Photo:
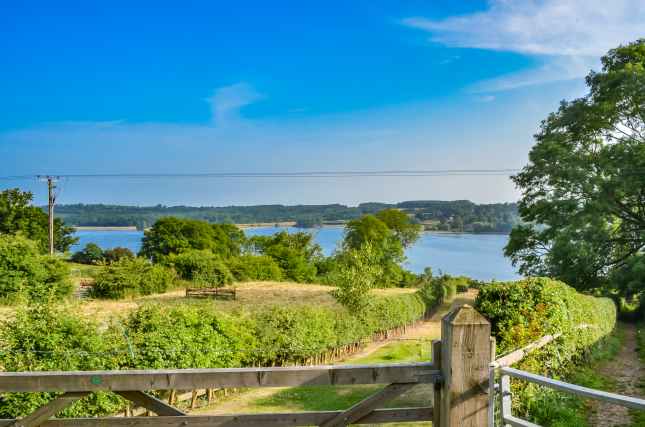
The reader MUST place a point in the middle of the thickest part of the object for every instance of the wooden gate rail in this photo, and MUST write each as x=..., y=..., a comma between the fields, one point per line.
x=459, y=373
x=395, y=415
x=187, y=379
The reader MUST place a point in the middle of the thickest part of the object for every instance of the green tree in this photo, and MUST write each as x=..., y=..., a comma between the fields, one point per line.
x=26, y=273
x=18, y=215
x=582, y=191
x=296, y=253
x=90, y=254
x=356, y=273
x=399, y=222
x=388, y=248
x=172, y=235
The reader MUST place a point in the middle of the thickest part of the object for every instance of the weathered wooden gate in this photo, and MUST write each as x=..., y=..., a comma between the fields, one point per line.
x=462, y=370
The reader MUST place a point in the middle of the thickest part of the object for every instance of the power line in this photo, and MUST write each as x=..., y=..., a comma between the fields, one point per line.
x=301, y=174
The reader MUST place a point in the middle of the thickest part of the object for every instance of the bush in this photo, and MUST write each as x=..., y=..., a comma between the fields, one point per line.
x=43, y=338
x=204, y=268
x=186, y=336
x=117, y=254
x=130, y=278
x=25, y=273
x=90, y=254
x=170, y=235
x=255, y=267
x=295, y=253
x=524, y=311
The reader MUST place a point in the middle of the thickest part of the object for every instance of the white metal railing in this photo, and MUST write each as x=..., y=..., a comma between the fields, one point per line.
x=504, y=388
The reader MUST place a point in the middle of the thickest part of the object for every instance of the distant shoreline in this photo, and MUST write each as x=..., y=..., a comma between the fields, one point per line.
x=279, y=225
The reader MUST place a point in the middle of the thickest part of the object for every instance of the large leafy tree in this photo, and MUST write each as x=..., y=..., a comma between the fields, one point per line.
x=583, y=191
x=18, y=215
x=171, y=235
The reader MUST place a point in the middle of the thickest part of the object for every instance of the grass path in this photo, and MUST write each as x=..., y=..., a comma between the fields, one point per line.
x=627, y=373
x=413, y=346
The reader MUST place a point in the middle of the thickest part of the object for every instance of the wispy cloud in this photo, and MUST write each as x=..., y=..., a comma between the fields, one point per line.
x=227, y=101
x=568, y=35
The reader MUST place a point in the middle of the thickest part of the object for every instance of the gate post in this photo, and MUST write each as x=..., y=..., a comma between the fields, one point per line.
x=466, y=355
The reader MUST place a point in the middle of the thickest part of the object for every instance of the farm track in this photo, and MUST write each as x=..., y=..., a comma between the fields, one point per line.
x=627, y=371
x=425, y=330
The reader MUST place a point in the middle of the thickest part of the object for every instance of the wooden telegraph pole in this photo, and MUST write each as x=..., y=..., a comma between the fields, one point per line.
x=51, y=186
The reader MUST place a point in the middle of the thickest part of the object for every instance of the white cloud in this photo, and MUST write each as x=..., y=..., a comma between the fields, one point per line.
x=568, y=35
x=227, y=101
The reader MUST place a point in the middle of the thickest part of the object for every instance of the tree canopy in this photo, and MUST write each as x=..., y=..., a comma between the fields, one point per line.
x=18, y=215
x=172, y=235
x=583, y=191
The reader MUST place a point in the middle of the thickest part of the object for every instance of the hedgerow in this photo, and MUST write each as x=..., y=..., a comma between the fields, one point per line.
x=522, y=312
x=195, y=336
x=44, y=338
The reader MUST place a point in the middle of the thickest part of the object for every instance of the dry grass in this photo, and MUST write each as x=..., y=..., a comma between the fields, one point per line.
x=250, y=296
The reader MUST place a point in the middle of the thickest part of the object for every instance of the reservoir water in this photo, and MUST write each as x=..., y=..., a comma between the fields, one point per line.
x=479, y=256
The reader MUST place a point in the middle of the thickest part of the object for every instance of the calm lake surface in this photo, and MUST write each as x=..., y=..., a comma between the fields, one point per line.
x=475, y=255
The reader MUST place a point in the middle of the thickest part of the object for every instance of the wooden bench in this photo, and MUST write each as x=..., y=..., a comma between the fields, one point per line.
x=218, y=293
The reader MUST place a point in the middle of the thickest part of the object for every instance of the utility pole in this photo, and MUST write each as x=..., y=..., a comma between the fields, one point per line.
x=51, y=186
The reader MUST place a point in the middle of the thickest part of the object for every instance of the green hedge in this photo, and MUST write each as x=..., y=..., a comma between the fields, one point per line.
x=183, y=336
x=255, y=267
x=130, y=277
x=203, y=267
x=523, y=311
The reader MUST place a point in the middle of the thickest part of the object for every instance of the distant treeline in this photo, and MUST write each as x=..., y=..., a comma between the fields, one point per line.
x=459, y=215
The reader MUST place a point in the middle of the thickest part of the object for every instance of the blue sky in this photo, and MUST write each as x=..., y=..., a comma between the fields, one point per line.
x=98, y=87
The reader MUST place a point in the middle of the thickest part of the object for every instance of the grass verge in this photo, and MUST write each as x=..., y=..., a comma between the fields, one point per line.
x=556, y=409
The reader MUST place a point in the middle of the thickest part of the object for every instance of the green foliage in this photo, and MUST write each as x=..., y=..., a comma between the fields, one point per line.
x=388, y=249
x=132, y=277
x=156, y=336
x=399, y=222
x=356, y=273
x=117, y=254
x=17, y=215
x=524, y=311
x=255, y=267
x=26, y=274
x=295, y=253
x=583, y=184
x=44, y=338
x=172, y=235
x=203, y=267
x=436, y=290
x=90, y=254
x=184, y=337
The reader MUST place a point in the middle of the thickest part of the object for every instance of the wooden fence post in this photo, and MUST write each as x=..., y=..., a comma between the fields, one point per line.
x=465, y=357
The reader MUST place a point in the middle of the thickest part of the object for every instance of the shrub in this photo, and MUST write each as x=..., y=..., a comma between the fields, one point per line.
x=356, y=274
x=202, y=267
x=90, y=254
x=132, y=277
x=523, y=311
x=432, y=294
x=170, y=235
x=117, y=254
x=295, y=253
x=25, y=273
x=255, y=267
x=43, y=338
